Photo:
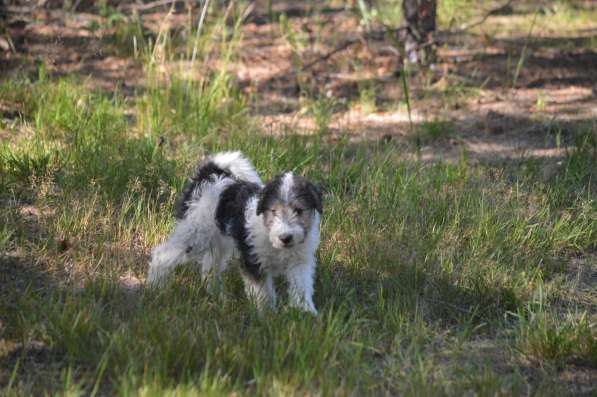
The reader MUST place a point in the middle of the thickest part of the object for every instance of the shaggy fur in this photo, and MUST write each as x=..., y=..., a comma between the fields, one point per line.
x=225, y=210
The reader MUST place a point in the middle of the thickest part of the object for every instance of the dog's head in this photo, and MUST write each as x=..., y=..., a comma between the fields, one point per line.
x=289, y=204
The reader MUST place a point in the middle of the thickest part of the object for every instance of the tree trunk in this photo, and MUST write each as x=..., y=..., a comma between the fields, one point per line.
x=419, y=17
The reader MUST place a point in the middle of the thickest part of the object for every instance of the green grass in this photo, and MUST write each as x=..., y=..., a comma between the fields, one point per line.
x=322, y=110
x=433, y=278
x=545, y=337
x=434, y=131
x=416, y=260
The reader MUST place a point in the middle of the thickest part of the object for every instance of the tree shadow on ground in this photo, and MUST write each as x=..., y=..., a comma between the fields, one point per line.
x=17, y=277
x=546, y=62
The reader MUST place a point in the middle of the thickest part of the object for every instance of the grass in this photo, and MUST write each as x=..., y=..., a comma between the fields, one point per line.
x=441, y=253
x=545, y=337
x=433, y=278
x=434, y=131
x=322, y=111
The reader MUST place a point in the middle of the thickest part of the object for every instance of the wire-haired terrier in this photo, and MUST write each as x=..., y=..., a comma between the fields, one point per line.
x=225, y=209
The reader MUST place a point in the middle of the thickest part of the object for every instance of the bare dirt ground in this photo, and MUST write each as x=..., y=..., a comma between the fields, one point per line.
x=492, y=114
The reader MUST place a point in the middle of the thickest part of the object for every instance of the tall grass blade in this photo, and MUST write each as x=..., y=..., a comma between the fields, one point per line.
x=523, y=53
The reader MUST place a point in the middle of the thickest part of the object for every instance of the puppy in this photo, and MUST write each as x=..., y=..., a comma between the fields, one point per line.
x=225, y=210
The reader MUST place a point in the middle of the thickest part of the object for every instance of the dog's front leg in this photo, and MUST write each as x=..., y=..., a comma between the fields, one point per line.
x=260, y=291
x=300, y=284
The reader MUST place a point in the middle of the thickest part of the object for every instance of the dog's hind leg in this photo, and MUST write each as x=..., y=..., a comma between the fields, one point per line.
x=192, y=239
x=182, y=246
x=210, y=274
x=164, y=259
x=213, y=264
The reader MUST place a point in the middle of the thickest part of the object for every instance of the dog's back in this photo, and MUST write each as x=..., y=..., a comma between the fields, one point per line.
x=222, y=165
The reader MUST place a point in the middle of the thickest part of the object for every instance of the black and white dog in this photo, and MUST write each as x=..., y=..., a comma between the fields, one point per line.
x=225, y=209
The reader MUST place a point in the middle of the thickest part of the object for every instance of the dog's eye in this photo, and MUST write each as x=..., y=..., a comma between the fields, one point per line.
x=274, y=212
x=298, y=211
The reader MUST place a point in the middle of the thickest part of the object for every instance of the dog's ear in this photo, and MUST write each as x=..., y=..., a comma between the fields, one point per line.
x=314, y=196
x=267, y=195
x=317, y=196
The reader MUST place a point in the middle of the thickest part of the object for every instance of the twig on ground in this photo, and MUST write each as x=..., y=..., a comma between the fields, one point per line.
x=339, y=48
x=395, y=30
x=467, y=26
x=331, y=53
x=346, y=44
x=149, y=6
x=343, y=46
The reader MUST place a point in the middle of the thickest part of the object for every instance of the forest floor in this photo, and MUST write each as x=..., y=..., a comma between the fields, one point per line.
x=505, y=89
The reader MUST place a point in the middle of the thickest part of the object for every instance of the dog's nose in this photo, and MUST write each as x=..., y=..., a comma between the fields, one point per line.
x=286, y=238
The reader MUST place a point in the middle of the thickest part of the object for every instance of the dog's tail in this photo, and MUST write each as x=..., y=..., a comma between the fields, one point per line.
x=225, y=164
x=237, y=165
